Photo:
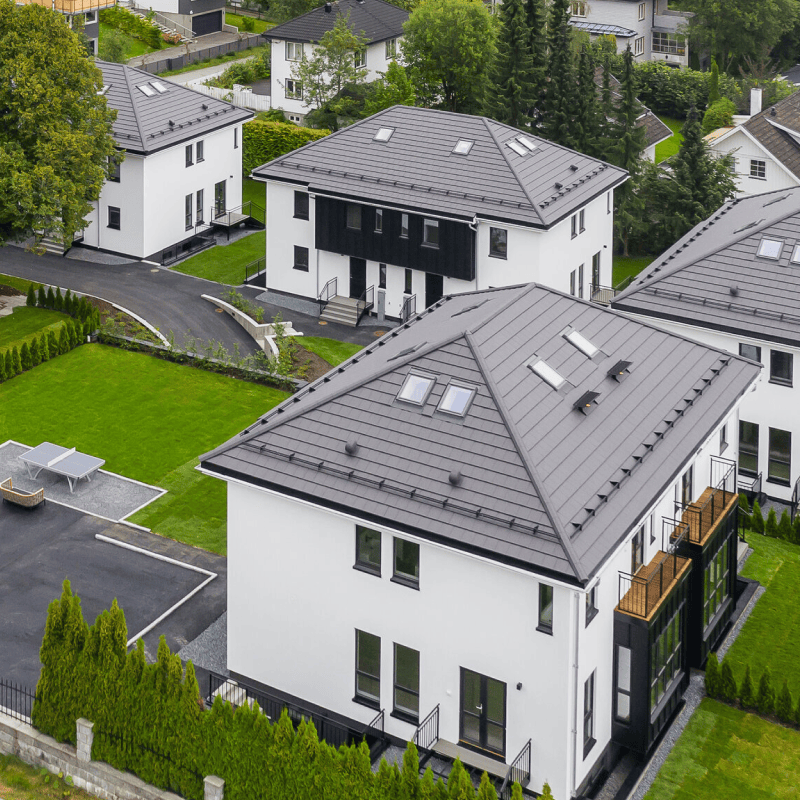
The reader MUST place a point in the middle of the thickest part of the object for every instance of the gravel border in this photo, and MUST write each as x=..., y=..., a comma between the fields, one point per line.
x=210, y=649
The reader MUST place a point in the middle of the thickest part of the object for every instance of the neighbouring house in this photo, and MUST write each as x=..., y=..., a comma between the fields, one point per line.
x=80, y=15
x=411, y=204
x=182, y=173
x=650, y=28
x=508, y=527
x=765, y=146
x=734, y=282
x=188, y=18
x=381, y=23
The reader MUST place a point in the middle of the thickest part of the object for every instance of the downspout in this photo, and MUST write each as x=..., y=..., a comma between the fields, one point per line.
x=576, y=622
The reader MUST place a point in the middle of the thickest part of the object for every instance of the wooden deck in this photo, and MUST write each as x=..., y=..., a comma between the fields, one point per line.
x=705, y=514
x=645, y=596
x=69, y=6
x=470, y=758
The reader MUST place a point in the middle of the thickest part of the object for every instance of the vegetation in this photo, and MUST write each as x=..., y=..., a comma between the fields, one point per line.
x=330, y=350
x=133, y=25
x=115, y=46
x=262, y=52
x=225, y=263
x=669, y=147
x=243, y=72
x=264, y=141
x=718, y=115
x=628, y=267
x=19, y=781
x=27, y=323
x=248, y=23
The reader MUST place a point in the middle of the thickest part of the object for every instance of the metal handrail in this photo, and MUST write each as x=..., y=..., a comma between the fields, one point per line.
x=246, y=209
x=327, y=292
x=165, y=21
x=376, y=725
x=795, y=497
x=365, y=302
x=427, y=734
x=707, y=514
x=751, y=485
x=255, y=267
x=409, y=307
x=601, y=294
x=519, y=772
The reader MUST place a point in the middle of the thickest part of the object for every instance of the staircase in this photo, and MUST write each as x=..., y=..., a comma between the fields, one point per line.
x=164, y=24
x=343, y=310
x=53, y=243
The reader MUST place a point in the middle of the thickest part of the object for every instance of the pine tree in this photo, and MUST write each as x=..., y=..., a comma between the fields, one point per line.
x=536, y=18
x=547, y=793
x=757, y=518
x=15, y=360
x=63, y=341
x=728, y=690
x=9, y=365
x=2, y=367
x=784, y=707
x=52, y=344
x=771, y=527
x=712, y=678
x=36, y=352
x=51, y=298
x=785, y=531
x=747, y=695
x=30, y=301
x=559, y=122
x=713, y=82
x=68, y=302
x=516, y=791
x=427, y=786
x=59, y=300
x=765, y=699
x=486, y=790
x=588, y=108
x=41, y=299
x=25, y=357
x=514, y=93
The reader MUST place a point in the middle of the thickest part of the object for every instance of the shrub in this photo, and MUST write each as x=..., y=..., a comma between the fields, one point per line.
x=36, y=352
x=719, y=115
x=44, y=350
x=747, y=695
x=58, y=304
x=757, y=518
x=771, y=528
x=31, y=299
x=743, y=504
x=51, y=298
x=265, y=141
x=25, y=357
x=765, y=699
x=728, y=690
x=248, y=24
x=52, y=344
x=171, y=38
x=9, y=365
x=41, y=300
x=785, y=530
x=784, y=708
x=68, y=298
x=547, y=792
x=712, y=676
x=2, y=367
x=16, y=363
x=63, y=341
x=132, y=24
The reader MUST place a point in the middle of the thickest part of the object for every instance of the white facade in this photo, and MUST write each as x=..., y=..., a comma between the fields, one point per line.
x=285, y=95
x=552, y=257
x=294, y=629
x=150, y=197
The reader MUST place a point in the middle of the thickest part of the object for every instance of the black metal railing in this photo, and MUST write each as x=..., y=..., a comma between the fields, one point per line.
x=519, y=772
x=750, y=485
x=237, y=214
x=365, y=302
x=601, y=294
x=795, y=498
x=703, y=516
x=201, y=240
x=409, y=308
x=723, y=473
x=253, y=271
x=427, y=734
x=16, y=701
x=329, y=291
x=623, y=284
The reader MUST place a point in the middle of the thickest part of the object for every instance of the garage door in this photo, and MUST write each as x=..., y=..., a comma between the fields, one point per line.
x=207, y=23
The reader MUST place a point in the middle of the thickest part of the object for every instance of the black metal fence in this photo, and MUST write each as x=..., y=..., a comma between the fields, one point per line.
x=255, y=273
x=519, y=772
x=16, y=701
x=427, y=734
x=246, y=41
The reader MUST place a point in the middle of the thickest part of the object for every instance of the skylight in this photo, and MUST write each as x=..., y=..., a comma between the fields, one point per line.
x=582, y=343
x=456, y=399
x=383, y=134
x=517, y=147
x=770, y=248
x=796, y=254
x=547, y=373
x=526, y=142
x=416, y=388
x=463, y=146
x=158, y=86
x=145, y=88
x=104, y=89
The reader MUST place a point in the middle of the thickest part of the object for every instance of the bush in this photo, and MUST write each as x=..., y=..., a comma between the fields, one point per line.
x=719, y=115
x=712, y=678
x=58, y=304
x=113, y=47
x=771, y=528
x=9, y=365
x=765, y=700
x=246, y=71
x=728, y=690
x=784, y=708
x=63, y=341
x=31, y=299
x=3, y=367
x=36, y=352
x=757, y=519
x=41, y=299
x=132, y=24
x=248, y=24
x=171, y=38
x=747, y=695
x=51, y=298
x=785, y=530
x=15, y=361
x=25, y=357
x=265, y=141
x=52, y=344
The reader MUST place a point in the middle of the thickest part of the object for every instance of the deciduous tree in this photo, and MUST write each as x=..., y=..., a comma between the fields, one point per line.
x=393, y=88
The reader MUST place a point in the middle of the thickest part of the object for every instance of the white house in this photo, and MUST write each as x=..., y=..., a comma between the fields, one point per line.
x=733, y=282
x=765, y=146
x=381, y=23
x=411, y=204
x=650, y=28
x=182, y=170
x=507, y=526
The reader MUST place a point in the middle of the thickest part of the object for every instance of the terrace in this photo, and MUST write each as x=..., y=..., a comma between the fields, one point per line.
x=70, y=6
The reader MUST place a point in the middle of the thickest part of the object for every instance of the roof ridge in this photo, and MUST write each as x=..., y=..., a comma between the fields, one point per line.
x=516, y=439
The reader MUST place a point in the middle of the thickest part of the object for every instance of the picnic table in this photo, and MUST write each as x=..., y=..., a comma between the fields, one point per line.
x=62, y=461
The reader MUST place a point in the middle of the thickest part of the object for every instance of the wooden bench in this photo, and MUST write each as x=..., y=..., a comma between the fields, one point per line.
x=24, y=499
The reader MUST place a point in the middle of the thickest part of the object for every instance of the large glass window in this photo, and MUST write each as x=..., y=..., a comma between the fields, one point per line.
x=406, y=562
x=588, y=714
x=623, y=711
x=406, y=681
x=779, y=466
x=188, y=211
x=637, y=550
x=748, y=448
x=368, y=668
x=750, y=351
x=200, y=149
x=665, y=658
x=301, y=205
x=780, y=367
x=368, y=549
x=407, y=282
x=301, y=258
x=430, y=232
x=199, y=209
x=665, y=42
x=545, y=608
x=715, y=583
x=354, y=216
x=189, y=158
x=687, y=482
x=498, y=242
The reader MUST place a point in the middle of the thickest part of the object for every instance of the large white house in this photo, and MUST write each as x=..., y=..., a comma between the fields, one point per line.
x=381, y=23
x=411, y=204
x=182, y=167
x=733, y=282
x=508, y=527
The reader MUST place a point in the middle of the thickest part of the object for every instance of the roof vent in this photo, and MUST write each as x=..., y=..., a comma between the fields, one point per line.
x=328, y=8
x=573, y=167
x=558, y=185
x=773, y=112
x=734, y=290
x=171, y=124
x=620, y=371
x=587, y=402
x=204, y=107
x=456, y=477
x=351, y=448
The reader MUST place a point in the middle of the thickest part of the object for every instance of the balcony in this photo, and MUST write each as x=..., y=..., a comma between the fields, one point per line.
x=704, y=516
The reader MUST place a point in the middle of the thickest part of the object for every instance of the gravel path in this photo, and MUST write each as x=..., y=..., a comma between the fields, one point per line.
x=210, y=649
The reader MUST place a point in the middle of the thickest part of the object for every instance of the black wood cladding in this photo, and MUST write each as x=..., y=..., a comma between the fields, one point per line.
x=453, y=258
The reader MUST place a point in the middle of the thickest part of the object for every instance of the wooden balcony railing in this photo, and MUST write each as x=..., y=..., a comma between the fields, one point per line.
x=70, y=6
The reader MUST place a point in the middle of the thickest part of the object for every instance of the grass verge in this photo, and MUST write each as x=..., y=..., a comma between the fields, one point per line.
x=330, y=350
x=149, y=419
x=257, y=193
x=727, y=753
x=626, y=267
x=133, y=47
x=259, y=25
x=226, y=263
x=670, y=146
x=20, y=284
x=26, y=323
x=213, y=62
x=20, y=781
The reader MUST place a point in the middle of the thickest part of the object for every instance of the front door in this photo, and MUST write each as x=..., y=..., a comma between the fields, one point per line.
x=434, y=288
x=358, y=277
x=483, y=712
x=219, y=199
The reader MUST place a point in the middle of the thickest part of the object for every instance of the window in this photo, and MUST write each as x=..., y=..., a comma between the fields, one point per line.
x=608, y=202
x=368, y=550
x=779, y=466
x=360, y=59
x=189, y=158
x=498, y=242
x=114, y=166
x=463, y=146
x=199, y=207
x=293, y=90
x=147, y=90
x=642, y=9
x=770, y=248
x=715, y=583
x=430, y=232
x=159, y=87
x=301, y=205
x=381, y=276
x=623, y=710
x=390, y=49
x=582, y=343
x=796, y=254
x=354, y=216
x=378, y=220
x=188, y=212
x=780, y=367
x=113, y=218
x=638, y=46
x=407, y=284
x=748, y=448
x=588, y=715
x=199, y=151
x=294, y=51
x=723, y=439
x=652, y=523
x=406, y=562
x=581, y=220
x=416, y=388
x=758, y=169
x=577, y=8
x=665, y=658
x=456, y=399
x=637, y=550
x=545, y=608
x=301, y=258
x=591, y=604
x=547, y=373
x=574, y=225
x=383, y=135
x=687, y=483
x=573, y=282
x=91, y=16
x=404, y=226
x=236, y=136
x=596, y=271
x=750, y=351
x=368, y=668
x=580, y=279
x=406, y=682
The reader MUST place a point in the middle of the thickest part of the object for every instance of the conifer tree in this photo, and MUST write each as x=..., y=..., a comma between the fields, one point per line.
x=63, y=341
x=757, y=518
x=784, y=707
x=68, y=302
x=9, y=365
x=440, y=792
x=547, y=793
x=25, y=357
x=559, y=122
x=747, y=695
x=713, y=82
x=36, y=358
x=516, y=791
x=771, y=527
x=41, y=299
x=59, y=300
x=51, y=298
x=2, y=367
x=785, y=531
x=588, y=108
x=15, y=360
x=765, y=699
x=514, y=95
x=536, y=17
x=486, y=790
x=52, y=344
x=30, y=301
x=427, y=786
x=728, y=690
x=409, y=784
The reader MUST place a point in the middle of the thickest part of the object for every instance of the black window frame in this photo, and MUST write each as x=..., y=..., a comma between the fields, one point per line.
x=751, y=351
x=574, y=226
x=637, y=550
x=188, y=211
x=784, y=460
x=758, y=169
x=723, y=438
x=591, y=605
x=298, y=262
x=665, y=669
x=362, y=564
x=189, y=150
x=301, y=205
x=589, y=695
x=408, y=715
x=573, y=283
x=404, y=221
x=352, y=210
x=112, y=212
x=404, y=578
x=622, y=683
x=235, y=138
x=198, y=212
x=748, y=446
x=716, y=583
x=116, y=166
x=408, y=281
x=545, y=604
x=198, y=151
x=379, y=220
x=381, y=276
x=429, y=224
x=582, y=220
x=580, y=281
x=774, y=376
x=494, y=250
x=366, y=698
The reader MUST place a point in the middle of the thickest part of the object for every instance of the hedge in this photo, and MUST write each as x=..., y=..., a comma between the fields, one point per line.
x=264, y=141
x=132, y=24
x=150, y=719
x=773, y=527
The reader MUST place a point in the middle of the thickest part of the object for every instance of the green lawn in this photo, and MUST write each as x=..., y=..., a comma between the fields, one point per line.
x=670, y=146
x=149, y=419
x=257, y=192
x=26, y=323
x=330, y=350
x=727, y=753
x=226, y=263
x=213, y=62
x=20, y=284
x=134, y=47
x=259, y=25
x=628, y=267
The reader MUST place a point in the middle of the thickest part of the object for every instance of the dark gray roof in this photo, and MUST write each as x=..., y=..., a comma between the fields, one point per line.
x=602, y=29
x=143, y=123
x=544, y=486
x=374, y=19
x=417, y=168
x=777, y=130
x=713, y=277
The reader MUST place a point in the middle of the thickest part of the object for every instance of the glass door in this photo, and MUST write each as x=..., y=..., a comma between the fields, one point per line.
x=483, y=712
x=220, y=206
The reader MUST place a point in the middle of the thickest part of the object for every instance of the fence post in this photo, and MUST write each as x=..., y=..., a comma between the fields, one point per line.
x=85, y=737
x=213, y=788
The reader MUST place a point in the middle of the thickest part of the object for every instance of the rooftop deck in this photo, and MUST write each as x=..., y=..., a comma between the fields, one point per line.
x=704, y=515
x=652, y=583
x=70, y=6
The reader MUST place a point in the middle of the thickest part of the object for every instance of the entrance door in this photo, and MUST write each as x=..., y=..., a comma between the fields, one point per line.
x=207, y=23
x=483, y=712
x=220, y=206
x=358, y=277
x=434, y=288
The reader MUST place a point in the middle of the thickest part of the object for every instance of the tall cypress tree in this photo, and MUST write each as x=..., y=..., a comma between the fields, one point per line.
x=514, y=97
x=560, y=124
x=536, y=17
x=588, y=108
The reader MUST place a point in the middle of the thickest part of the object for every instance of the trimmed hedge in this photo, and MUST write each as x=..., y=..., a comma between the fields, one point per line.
x=150, y=719
x=264, y=141
x=132, y=24
x=773, y=527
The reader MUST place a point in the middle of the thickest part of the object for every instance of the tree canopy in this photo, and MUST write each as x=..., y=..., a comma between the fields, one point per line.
x=55, y=129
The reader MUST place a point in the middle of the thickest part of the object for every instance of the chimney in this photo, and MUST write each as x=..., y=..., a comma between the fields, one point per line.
x=328, y=8
x=755, y=100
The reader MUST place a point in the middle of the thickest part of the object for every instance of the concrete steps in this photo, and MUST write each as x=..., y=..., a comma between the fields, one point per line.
x=53, y=243
x=131, y=6
x=343, y=310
